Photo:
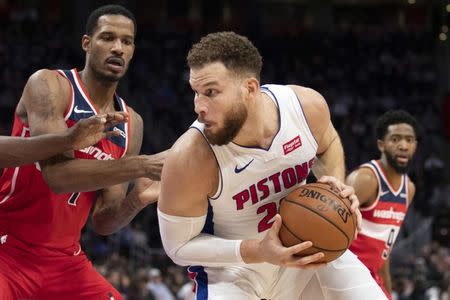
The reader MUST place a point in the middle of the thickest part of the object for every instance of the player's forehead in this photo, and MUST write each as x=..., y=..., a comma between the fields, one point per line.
x=211, y=74
x=117, y=24
x=401, y=129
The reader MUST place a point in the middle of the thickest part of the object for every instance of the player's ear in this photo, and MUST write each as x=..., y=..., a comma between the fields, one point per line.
x=86, y=42
x=380, y=144
x=252, y=86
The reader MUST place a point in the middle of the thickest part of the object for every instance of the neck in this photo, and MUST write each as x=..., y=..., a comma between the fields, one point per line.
x=393, y=176
x=262, y=123
x=100, y=92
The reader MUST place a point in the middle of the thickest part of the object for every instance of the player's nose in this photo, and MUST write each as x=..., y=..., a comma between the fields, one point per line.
x=403, y=145
x=117, y=47
x=199, y=106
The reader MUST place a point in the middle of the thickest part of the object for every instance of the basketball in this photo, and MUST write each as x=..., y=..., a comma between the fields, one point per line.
x=316, y=213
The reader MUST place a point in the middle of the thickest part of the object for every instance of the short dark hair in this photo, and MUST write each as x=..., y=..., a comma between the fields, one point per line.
x=235, y=51
x=392, y=117
x=111, y=9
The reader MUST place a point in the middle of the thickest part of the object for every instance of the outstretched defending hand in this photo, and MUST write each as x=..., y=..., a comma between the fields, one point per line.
x=345, y=191
x=89, y=131
x=147, y=191
x=154, y=164
x=272, y=251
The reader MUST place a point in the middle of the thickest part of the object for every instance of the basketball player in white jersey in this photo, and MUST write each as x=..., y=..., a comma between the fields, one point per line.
x=224, y=178
x=385, y=192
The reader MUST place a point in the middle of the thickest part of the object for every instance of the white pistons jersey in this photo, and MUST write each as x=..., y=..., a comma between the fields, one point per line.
x=254, y=180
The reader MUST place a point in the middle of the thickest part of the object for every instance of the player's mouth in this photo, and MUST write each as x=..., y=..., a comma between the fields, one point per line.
x=205, y=123
x=116, y=64
x=402, y=159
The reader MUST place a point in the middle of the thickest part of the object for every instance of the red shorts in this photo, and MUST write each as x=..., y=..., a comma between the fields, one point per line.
x=26, y=273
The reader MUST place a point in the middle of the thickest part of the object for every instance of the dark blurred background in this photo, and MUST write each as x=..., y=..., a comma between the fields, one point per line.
x=364, y=56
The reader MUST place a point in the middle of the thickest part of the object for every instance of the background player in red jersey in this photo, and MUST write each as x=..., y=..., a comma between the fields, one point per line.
x=44, y=206
x=16, y=151
x=385, y=192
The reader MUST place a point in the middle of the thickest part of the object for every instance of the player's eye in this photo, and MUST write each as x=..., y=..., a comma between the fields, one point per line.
x=210, y=93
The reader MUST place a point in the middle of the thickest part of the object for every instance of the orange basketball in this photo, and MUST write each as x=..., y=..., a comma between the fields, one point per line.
x=316, y=213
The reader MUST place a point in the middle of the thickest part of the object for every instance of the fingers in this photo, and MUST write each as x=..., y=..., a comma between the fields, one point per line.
x=94, y=120
x=108, y=134
x=345, y=191
x=358, y=222
x=296, y=249
x=275, y=229
x=355, y=203
x=336, y=185
x=118, y=117
x=306, y=261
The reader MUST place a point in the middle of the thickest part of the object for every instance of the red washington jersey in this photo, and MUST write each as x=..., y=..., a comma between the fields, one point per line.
x=29, y=210
x=381, y=221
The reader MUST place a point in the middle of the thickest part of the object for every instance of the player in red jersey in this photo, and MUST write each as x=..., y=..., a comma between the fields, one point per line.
x=44, y=206
x=16, y=151
x=385, y=192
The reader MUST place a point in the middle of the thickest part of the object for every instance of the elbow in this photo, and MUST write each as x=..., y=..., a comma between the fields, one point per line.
x=56, y=181
x=54, y=184
x=101, y=227
x=177, y=260
x=173, y=254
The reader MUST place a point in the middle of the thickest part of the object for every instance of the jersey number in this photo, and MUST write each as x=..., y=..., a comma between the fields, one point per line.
x=271, y=211
x=73, y=199
x=389, y=243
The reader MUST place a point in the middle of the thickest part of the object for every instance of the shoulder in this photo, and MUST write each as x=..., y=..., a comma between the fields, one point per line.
x=363, y=175
x=411, y=190
x=45, y=91
x=365, y=183
x=48, y=78
x=315, y=109
x=189, y=176
x=136, y=125
x=46, y=86
x=192, y=158
x=136, y=118
x=312, y=101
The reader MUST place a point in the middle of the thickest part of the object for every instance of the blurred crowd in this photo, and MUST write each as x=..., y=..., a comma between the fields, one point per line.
x=361, y=70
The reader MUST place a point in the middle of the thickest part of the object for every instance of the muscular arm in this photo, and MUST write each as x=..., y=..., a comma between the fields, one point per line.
x=17, y=151
x=364, y=182
x=189, y=176
x=330, y=154
x=45, y=99
x=114, y=208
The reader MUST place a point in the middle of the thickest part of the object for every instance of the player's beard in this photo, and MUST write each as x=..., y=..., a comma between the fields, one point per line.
x=393, y=163
x=233, y=121
x=105, y=78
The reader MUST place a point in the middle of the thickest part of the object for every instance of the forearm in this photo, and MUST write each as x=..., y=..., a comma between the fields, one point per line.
x=331, y=162
x=17, y=151
x=183, y=241
x=79, y=175
x=111, y=218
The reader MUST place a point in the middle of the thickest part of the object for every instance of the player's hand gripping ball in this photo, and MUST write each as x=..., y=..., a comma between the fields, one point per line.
x=316, y=213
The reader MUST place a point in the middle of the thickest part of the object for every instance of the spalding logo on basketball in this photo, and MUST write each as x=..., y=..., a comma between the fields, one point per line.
x=316, y=213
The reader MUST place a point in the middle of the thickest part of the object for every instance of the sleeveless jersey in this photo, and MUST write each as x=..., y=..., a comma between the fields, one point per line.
x=381, y=221
x=254, y=180
x=29, y=210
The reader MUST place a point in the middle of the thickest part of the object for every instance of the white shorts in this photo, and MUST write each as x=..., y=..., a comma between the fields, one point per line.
x=343, y=279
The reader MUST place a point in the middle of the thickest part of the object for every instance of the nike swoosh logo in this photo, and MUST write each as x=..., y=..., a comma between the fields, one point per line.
x=80, y=111
x=384, y=193
x=239, y=170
